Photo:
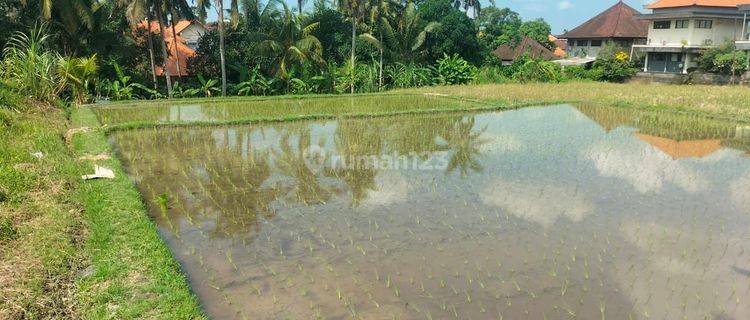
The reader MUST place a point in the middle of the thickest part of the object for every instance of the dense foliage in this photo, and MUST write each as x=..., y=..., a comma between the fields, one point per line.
x=723, y=59
x=103, y=51
x=453, y=36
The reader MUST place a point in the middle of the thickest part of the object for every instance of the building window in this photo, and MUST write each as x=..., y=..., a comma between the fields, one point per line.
x=681, y=24
x=582, y=43
x=596, y=43
x=704, y=24
x=662, y=24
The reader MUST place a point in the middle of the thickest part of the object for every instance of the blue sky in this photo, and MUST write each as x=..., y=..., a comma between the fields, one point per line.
x=561, y=14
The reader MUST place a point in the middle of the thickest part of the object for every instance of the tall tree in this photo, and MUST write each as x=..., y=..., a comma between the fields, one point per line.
x=159, y=8
x=136, y=11
x=406, y=36
x=466, y=4
x=151, y=50
x=300, y=4
x=456, y=33
x=234, y=14
x=290, y=45
x=498, y=27
x=357, y=11
x=178, y=10
x=222, y=52
x=380, y=13
x=538, y=30
x=70, y=13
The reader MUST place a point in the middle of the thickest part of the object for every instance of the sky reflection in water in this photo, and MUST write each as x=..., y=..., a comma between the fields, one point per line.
x=554, y=212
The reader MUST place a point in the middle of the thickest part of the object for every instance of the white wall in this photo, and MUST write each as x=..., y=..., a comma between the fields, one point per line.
x=722, y=30
x=192, y=34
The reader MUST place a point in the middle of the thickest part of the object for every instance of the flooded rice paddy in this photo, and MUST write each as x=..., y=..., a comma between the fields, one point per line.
x=558, y=212
x=274, y=108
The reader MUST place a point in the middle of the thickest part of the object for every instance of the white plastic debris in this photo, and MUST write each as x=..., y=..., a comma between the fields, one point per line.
x=38, y=154
x=100, y=173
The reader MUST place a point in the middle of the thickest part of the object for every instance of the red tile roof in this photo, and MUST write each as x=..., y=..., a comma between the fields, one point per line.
x=660, y=4
x=619, y=21
x=180, y=49
x=527, y=45
x=560, y=45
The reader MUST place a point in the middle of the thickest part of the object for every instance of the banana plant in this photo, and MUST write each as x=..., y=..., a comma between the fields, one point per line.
x=208, y=86
x=256, y=84
x=179, y=92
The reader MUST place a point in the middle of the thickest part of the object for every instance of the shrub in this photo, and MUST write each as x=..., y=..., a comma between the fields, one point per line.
x=401, y=75
x=30, y=67
x=723, y=59
x=577, y=72
x=454, y=70
x=538, y=71
x=730, y=63
x=492, y=74
x=613, y=65
x=613, y=70
x=365, y=78
x=256, y=84
x=76, y=74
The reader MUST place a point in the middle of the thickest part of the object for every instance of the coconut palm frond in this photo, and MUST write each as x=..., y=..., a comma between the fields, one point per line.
x=369, y=38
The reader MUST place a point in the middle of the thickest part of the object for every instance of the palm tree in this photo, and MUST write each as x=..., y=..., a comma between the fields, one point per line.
x=357, y=11
x=409, y=34
x=222, y=53
x=136, y=10
x=380, y=12
x=234, y=14
x=201, y=6
x=184, y=10
x=466, y=4
x=290, y=44
x=159, y=7
x=70, y=13
x=300, y=4
x=151, y=50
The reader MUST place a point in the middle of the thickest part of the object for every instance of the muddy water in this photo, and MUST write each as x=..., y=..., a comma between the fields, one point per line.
x=556, y=212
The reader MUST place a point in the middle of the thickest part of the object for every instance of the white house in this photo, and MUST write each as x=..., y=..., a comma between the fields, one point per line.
x=680, y=29
x=191, y=31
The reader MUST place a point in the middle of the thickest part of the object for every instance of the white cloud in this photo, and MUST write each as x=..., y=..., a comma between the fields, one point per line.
x=740, y=193
x=564, y=5
x=501, y=143
x=543, y=204
x=644, y=167
x=392, y=188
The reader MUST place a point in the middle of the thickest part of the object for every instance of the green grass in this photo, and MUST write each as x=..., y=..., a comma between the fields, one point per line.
x=132, y=268
x=74, y=249
x=40, y=228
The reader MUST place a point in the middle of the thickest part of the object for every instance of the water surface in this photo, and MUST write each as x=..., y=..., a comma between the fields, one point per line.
x=558, y=212
x=275, y=108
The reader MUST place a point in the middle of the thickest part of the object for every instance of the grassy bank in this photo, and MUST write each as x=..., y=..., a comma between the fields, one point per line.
x=40, y=227
x=131, y=269
x=74, y=249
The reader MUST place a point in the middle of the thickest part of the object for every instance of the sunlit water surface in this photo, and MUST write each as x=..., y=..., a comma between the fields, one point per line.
x=540, y=213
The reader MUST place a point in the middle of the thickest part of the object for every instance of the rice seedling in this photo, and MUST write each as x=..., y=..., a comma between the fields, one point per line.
x=299, y=244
